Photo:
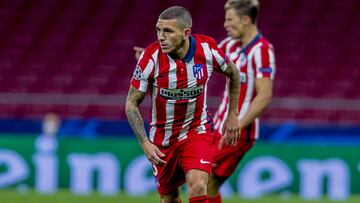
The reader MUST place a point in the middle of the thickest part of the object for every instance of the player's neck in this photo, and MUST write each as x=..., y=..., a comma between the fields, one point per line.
x=249, y=35
x=182, y=51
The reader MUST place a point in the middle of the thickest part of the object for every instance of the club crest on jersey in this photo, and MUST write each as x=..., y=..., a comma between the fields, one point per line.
x=198, y=71
x=243, y=60
x=137, y=73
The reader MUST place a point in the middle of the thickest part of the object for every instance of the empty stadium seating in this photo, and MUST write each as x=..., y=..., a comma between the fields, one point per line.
x=84, y=47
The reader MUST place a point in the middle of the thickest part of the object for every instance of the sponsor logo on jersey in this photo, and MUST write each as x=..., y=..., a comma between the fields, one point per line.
x=180, y=94
x=137, y=73
x=198, y=71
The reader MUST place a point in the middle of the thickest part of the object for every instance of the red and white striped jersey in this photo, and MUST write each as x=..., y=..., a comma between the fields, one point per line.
x=178, y=88
x=255, y=61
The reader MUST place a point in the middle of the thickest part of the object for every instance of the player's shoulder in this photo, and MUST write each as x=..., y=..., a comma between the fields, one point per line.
x=204, y=38
x=225, y=42
x=150, y=50
x=152, y=47
x=229, y=44
x=265, y=43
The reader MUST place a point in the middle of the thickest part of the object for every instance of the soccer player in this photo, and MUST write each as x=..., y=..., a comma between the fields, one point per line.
x=176, y=70
x=253, y=55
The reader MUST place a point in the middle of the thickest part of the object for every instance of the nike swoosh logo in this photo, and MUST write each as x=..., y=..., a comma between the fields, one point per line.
x=204, y=162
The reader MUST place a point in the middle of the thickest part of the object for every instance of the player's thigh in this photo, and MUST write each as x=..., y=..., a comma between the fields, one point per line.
x=169, y=177
x=197, y=153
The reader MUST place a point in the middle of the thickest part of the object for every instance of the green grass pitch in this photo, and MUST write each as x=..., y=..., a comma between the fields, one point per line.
x=12, y=196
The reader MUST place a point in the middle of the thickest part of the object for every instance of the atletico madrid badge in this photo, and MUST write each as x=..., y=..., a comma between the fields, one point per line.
x=198, y=71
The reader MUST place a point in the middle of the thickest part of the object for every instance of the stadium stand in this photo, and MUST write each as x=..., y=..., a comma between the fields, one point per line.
x=75, y=57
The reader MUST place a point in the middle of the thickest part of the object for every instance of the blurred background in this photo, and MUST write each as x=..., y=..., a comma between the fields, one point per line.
x=65, y=67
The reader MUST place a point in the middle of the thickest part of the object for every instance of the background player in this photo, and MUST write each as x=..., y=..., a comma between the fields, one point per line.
x=176, y=70
x=253, y=55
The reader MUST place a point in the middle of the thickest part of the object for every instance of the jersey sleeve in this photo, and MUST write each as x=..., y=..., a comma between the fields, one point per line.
x=264, y=61
x=220, y=60
x=143, y=72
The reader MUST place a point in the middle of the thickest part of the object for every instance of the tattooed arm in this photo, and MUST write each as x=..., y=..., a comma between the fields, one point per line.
x=231, y=130
x=132, y=109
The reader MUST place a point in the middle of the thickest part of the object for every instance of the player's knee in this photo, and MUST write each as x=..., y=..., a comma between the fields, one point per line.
x=197, y=188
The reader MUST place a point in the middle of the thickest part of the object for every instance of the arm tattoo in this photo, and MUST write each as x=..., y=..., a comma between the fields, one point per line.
x=234, y=88
x=133, y=100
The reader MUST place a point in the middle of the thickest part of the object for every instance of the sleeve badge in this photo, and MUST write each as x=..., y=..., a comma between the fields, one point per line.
x=137, y=73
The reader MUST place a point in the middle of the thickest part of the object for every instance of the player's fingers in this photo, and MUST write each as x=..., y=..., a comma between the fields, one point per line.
x=234, y=142
x=155, y=159
x=159, y=153
x=161, y=162
x=230, y=134
x=238, y=133
x=231, y=142
x=140, y=49
x=152, y=160
x=234, y=139
x=228, y=141
x=158, y=160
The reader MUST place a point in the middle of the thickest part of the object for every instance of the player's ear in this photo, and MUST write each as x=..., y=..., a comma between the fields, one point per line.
x=187, y=33
x=247, y=19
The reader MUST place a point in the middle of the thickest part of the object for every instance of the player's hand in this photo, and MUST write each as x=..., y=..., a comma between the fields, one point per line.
x=153, y=153
x=138, y=51
x=231, y=130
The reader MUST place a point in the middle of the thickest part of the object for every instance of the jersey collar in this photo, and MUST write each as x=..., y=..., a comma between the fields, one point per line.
x=190, y=53
x=253, y=41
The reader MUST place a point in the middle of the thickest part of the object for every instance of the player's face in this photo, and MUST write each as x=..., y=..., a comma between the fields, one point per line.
x=234, y=24
x=170, y=36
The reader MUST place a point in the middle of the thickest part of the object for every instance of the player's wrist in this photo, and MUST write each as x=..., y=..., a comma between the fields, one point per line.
x=144, y=141
x=233, y=112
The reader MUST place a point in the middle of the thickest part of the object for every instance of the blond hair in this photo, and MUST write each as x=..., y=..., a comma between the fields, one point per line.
x=244, y=7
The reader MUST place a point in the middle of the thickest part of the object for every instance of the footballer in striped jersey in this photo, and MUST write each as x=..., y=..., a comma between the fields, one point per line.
x=254, y=57
x=176, y=70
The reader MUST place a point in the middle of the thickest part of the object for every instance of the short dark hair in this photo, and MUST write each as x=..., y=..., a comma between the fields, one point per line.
x=179, y=13
x=244, y=7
